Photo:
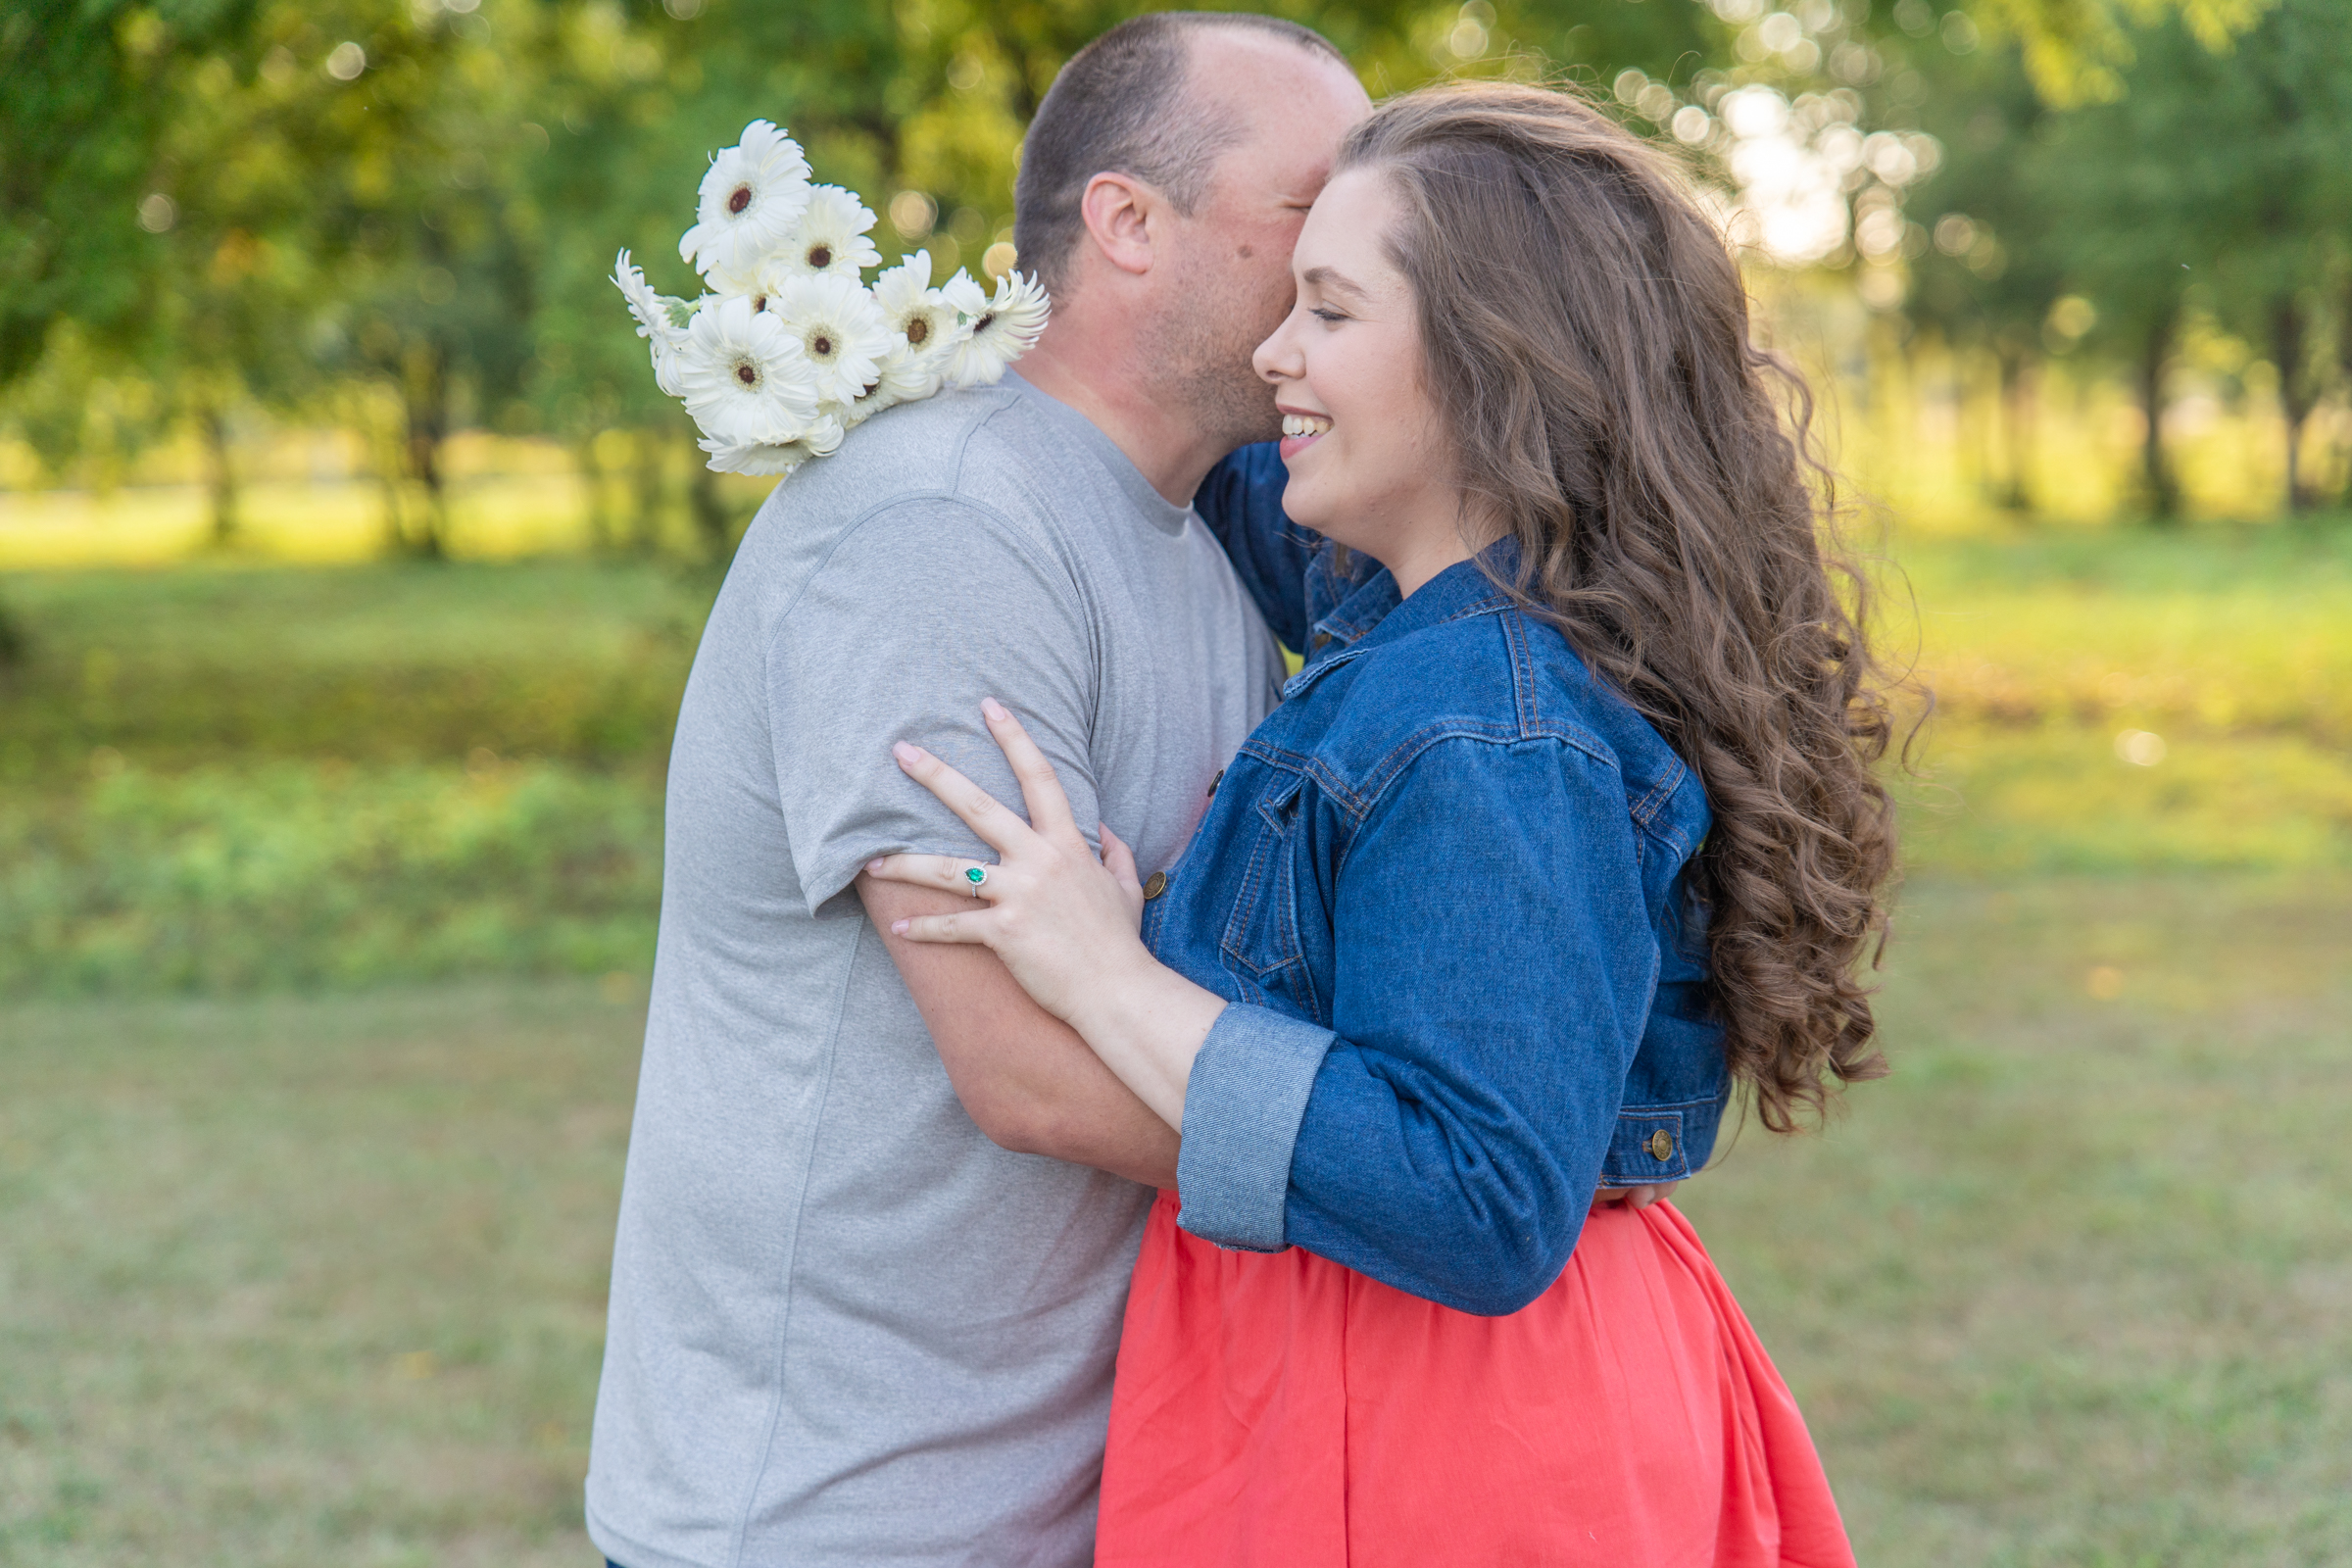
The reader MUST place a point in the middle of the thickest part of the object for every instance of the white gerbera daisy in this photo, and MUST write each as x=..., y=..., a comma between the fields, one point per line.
x=750, y=199
x=1003, y=329
x=744, y=378
x=776, y=457
x=833, y=321
x=654, y=312
x=657, y=320
x=926, y=319
x=830, y=237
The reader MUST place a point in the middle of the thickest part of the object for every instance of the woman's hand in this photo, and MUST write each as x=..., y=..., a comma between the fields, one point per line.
x=1064, y=922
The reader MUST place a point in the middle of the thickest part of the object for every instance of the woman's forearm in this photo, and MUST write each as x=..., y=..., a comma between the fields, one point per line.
x=1148, y=1022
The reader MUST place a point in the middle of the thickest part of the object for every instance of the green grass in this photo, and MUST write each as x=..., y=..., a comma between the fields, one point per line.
x=303, y=1282
x=2075, y=1284
x=320, y=1280
x=2233, y=646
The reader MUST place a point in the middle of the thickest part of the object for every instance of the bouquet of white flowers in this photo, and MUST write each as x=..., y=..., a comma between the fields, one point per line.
x=789, y=349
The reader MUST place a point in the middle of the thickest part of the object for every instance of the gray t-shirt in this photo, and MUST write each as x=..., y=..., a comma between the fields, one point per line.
x=845, y=1327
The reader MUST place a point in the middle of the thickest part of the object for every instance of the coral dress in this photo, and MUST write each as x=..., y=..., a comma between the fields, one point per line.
x=1280, y=1409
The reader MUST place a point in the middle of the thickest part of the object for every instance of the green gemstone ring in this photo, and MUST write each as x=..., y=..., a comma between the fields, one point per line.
x=975, y=876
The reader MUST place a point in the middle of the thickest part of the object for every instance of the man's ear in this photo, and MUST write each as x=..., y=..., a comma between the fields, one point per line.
x=1120, y=211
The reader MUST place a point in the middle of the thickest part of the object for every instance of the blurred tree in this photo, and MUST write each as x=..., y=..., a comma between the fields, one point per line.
x=2218, y=180
x=414, y=164
x=80, y=121
x=2083, y=51
x=919, y=108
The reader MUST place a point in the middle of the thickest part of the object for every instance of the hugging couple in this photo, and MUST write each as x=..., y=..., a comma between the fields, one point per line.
x=1010, y=880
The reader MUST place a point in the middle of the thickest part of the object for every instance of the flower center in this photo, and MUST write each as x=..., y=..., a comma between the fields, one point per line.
x=746, y=373
x=820, y=257
x=740, y=200
x=758, y=303
x=917, y=331
x=981, y=326
x=821, y=345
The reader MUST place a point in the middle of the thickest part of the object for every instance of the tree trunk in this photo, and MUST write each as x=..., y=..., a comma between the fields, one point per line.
x=426, y=394
x=2017, y=392
x=709, y=508
x=2343, y=354
x=220, y=475
x=649, y=474
x=2156, y=474
x=2294, y=395
x=592, y=485
x=13, y=645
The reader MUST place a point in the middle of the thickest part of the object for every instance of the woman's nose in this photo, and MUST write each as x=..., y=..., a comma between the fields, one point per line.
x=1272, y=361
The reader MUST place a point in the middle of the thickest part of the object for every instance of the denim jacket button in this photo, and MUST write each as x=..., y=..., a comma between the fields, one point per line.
x=1154, y=885
x=1660, y=1145
x=1317, y=644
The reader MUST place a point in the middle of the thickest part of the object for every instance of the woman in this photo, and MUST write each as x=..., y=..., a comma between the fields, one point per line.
x=1567, y=818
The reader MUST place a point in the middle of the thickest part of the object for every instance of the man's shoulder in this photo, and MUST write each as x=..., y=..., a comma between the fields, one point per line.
x=986, y=455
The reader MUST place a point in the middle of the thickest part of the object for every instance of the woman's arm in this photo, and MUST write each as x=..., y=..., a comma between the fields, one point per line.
x=1494, y=963
x=1077, y=949
x=1495, y=967
x=1240, y=501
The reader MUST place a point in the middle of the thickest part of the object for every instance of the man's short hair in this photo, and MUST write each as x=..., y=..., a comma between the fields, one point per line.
x=1121, y=107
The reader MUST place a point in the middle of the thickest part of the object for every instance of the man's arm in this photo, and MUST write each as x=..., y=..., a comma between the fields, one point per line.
x=1023, y=1076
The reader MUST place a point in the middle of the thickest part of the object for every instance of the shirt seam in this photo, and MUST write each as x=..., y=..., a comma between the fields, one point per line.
x=792, y=1264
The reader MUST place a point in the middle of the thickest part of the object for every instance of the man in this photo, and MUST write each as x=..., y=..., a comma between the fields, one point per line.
x=846, y=1325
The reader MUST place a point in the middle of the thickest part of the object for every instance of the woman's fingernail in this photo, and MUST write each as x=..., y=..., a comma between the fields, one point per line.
x=904, y=752
x=994, y=708
x=875, y=865
x=898, y=928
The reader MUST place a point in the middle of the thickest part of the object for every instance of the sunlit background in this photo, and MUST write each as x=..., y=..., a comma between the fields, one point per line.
x=350, y=566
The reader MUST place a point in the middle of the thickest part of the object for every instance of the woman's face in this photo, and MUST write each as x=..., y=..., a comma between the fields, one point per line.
x=1369, y=464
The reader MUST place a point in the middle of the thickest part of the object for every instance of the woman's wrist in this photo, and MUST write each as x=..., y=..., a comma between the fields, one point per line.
x=1148, y=1022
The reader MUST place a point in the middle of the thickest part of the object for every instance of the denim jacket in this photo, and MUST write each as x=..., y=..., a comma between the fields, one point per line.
x=1443, y=887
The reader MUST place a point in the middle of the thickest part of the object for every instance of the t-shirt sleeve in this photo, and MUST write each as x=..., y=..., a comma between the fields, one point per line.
x=923, y=609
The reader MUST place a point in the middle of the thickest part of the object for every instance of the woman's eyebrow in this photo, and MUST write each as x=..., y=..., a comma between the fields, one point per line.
x=1324, y=277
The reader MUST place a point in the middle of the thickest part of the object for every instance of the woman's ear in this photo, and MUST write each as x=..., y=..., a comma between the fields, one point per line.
x=1118, y=210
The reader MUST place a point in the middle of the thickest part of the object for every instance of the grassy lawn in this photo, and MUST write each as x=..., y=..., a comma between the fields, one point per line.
x=302, y=1281
x=2075, y=1284
x=327, y=897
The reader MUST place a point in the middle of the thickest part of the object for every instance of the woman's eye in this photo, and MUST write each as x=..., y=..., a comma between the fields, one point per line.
x=1325, y=313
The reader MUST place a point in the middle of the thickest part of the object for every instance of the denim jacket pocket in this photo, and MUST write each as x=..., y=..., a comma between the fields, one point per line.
x=1647, y=1146
x=1260, y=945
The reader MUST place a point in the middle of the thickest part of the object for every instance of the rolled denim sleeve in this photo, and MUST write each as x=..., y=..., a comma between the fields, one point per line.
x=1243, y=1104
x=1493, y=969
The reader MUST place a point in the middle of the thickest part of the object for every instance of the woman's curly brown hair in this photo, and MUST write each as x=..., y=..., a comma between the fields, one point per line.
x=1586, y=337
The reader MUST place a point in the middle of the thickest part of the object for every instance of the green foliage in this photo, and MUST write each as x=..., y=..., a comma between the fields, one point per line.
x=229, y=779
x=293, y=874
x=2216, y=180
x=167, y=671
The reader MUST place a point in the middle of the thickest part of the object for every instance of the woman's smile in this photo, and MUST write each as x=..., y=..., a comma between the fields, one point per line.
x=1301, y=430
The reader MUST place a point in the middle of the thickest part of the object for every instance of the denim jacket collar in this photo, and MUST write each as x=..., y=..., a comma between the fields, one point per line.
x=1375, y=614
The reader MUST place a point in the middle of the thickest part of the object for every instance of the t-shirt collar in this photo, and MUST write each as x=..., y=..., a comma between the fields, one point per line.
x=1156, y=508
